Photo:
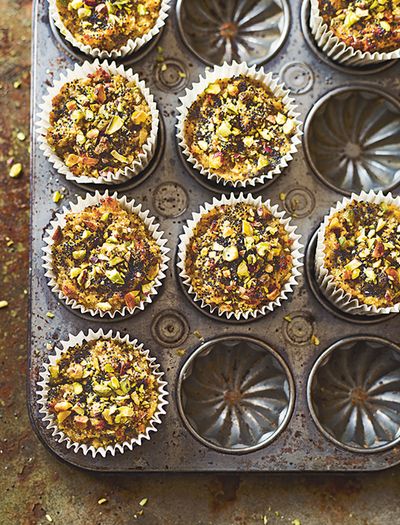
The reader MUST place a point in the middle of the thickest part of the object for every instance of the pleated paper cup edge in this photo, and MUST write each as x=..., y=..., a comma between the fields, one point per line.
x=43, y=124
x=343, y=300
x=49, y=419
x=227, y=71
x=127, y=204
x=296, y=252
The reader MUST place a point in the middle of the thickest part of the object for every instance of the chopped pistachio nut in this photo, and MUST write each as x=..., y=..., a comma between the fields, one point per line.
x=3, y=304
x=238, y=129
x=57, y=196
x=97, y=406
x=143, y=502
x=15, y=170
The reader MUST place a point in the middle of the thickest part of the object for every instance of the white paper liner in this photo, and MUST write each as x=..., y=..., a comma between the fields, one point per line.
x=184, y=240
x=344, y=301
x=228, y=71
x=43, y=124
x=132, y=45
x=81, y=204
x=43, y=388
x=337, y=50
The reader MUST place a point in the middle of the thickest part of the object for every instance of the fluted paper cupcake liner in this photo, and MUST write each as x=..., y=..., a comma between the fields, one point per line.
x=228, y=71
x=50, y=420
x=80, y=205
x=132, y=45
x=43, y=124
x=188, y=229
x=337, y=50
x=344, y=301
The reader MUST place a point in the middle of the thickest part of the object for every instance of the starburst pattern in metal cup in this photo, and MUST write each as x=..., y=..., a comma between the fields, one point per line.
x=235, y=394
x=352, y=138
x=354, y=393
x=219, y=31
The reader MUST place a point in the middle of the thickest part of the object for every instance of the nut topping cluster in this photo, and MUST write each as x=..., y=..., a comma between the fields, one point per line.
x=99, y=124
x=105, y=257
x=238, y=129
x=102, y=392
x=239, y=257
x=108, y=24
x=362, y=252
x=365, y=25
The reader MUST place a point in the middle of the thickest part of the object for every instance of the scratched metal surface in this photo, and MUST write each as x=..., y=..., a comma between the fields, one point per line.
x=169, y=190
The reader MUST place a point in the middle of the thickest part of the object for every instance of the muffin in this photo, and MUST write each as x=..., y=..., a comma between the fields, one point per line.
x=365, y=25
x=99, y=124
x=105, y=258
x=239, y=257
x=102, y=392
x=360, y=245
x=238, y=129
x=115, y=28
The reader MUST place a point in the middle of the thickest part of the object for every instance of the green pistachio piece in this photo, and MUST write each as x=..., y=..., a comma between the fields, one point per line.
x=247, y=228
x=78, y=254
x=74, y=272
x=125, y=411
x=352, y=265
x=78, y=388
x=114, y=276
x=230, y=253
x=243, y=270
x=104, y=307
x=102, y=390
x=262, y=248
x=114, y=125
x=119, y=157
x=54, y=371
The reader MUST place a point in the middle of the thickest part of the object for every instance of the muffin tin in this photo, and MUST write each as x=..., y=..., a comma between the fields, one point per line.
x=304, y=431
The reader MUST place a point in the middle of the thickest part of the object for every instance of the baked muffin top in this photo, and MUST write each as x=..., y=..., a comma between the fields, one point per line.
x=102, y=392
x=99, y=124
x=238, y=129
x=105, y=257
x=108, y=24
x=239, y=257
x=362, y=252
x=365, y=25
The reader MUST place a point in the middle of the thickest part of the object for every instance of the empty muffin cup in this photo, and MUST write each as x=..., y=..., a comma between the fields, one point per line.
x=220, y=31
x=235, y=394
x=353, y=393
x=351, y=138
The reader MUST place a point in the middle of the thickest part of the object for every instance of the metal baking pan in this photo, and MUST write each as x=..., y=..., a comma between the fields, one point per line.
x=284, y=340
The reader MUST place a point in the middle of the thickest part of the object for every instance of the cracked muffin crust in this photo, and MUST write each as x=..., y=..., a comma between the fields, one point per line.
x=105, y=258
x=238, y=129
x=108, y=24
x=365, y=25
x=239, y=257
x=99, y=124
x=362, y=252
x=102, y=392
